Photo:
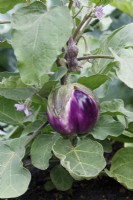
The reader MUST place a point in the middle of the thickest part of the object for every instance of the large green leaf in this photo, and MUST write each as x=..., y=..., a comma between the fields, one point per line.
x=124, y=5
x=119, y=39
x=38, y=38
x=94, y=81
x=53, y=3
x=6, y=5
x=9, y=114
x=61, y=178
x=13, y=88
x=84, y=161
x=105, y=127
x=125, y=66
x=115, y=107
x=122, y=167
x=41, y=151
x=14, y=178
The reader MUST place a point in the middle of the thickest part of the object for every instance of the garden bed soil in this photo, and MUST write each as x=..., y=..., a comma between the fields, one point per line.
x=101, y=188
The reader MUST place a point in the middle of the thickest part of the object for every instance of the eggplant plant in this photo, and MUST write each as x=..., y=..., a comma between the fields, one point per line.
x=54, y=110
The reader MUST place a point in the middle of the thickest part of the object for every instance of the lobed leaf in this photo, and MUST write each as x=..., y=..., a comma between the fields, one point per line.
x=84, y=161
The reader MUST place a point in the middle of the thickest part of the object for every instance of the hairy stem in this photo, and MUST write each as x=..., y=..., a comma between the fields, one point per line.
x=86, y=18
x=95, y=57
x=35, y=134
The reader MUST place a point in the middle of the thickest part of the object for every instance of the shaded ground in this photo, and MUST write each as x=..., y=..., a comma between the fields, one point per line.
x=101, y=189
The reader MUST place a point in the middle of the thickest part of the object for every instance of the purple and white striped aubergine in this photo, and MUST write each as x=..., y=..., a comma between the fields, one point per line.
x=72, y=109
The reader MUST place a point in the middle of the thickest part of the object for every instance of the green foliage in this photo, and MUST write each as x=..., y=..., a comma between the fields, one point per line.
x=14, y=88
x=94, y=81
x=124, y=69
x=106, y=127
x=124, y=5
x=14, y=178
x=8, y=113
x=101, y=2
x=41, y=151
x=84, y=161
x=38, y=35
x=121, y=168
x=6, y=5
x=35, y=60
x=115, y=107
x=61, y=178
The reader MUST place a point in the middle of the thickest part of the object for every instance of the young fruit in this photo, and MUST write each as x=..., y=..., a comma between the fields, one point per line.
x=72, y=109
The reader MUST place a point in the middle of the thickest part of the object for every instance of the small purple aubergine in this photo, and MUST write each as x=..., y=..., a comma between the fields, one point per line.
x=72, y=109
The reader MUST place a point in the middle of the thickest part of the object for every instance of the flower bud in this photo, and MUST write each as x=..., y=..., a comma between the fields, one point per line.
x=72, y=109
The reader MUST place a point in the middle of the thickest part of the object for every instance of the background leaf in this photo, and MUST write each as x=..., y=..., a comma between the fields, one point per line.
x=6, y=5
x=119, y=39
x=61, y=178
x=107, y=126
x=9, y=114
x=41, y=151
x=84, y=161
x=124, y=69
x=121, y=168
x=94, y=81
x=13, y=88
x=115, y=107
x=14, y=178
x=124, y=5
x=46, y=33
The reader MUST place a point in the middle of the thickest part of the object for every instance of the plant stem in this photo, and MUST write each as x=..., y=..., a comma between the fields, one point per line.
x=95, y=56
x=70, y=4
x=35, y=133
x=77, y=13
x=86, y=18
x=5, y=22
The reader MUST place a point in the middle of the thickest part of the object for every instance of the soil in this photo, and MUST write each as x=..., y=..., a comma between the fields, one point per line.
x=102, y=188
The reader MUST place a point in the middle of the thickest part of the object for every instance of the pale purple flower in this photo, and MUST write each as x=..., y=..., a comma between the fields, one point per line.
x=99, y=12
x=23, y=108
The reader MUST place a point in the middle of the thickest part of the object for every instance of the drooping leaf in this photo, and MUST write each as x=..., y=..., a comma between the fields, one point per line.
x=115, y=107
x=61, y=178
x=94, y=81
x=122, y=167
x=14, y=178
x=41, y=151
x=124, y=5
x=84, y=161
x=13, y=88
x=124, y=68
x=45, y=32
x=107, y=126
x=119, y=39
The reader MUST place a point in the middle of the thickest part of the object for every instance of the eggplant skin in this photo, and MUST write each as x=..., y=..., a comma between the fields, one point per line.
x=72, y=109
